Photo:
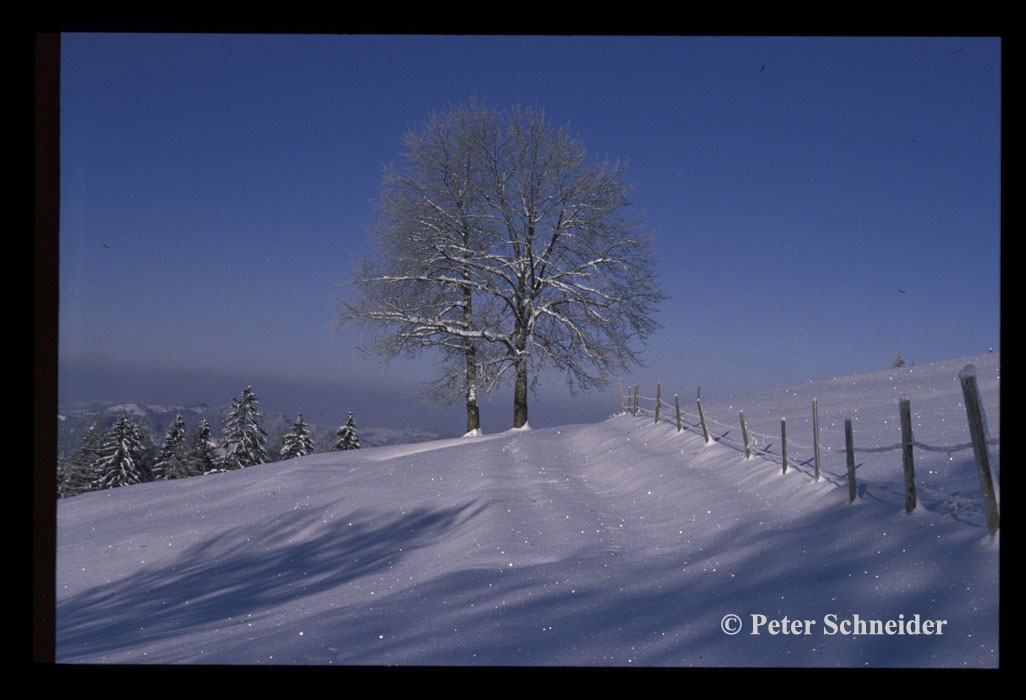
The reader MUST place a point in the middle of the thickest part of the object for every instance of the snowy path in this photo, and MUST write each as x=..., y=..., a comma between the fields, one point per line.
x=620, y=543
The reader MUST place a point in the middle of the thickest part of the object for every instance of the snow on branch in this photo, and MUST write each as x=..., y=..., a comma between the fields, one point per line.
x=503, y=249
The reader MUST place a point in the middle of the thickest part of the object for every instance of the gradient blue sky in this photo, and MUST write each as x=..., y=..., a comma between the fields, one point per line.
x=214, y=186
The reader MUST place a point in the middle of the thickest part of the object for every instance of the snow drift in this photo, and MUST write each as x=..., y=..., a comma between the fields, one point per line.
x=623, y=543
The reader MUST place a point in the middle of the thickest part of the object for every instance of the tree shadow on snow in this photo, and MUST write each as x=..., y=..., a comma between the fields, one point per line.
x=241, y=572
x=584, y=611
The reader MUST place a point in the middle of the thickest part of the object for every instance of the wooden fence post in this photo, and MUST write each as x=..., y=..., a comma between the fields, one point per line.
x=906, y=454
x=783, y=444
x=636, y=399
x=621, y=396
x=977, y=431
x=659, y=400
x=676, y=405
x=701, y=417
x=849, y=448
x=815, y=435
x=744, y=435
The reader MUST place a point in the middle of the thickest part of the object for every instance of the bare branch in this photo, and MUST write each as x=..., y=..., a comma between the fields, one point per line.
x=501, y=248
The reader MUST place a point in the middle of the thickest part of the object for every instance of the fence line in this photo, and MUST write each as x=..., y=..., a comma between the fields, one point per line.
x=750, y=445
x=768, y=439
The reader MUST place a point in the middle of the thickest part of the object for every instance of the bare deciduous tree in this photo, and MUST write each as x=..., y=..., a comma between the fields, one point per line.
x=501, y=246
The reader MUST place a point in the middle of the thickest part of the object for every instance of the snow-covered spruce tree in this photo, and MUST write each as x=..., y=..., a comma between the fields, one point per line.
x=123, y=456
x=63, y=473
x=497, y=211
x=173, y=460
x=899, y=361
x=201, y=450
x=297, y=442
x=79, y=470
x=347, y=438
x=244, y=437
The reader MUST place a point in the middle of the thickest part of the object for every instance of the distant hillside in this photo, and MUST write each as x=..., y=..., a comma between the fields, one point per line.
x=75, y=418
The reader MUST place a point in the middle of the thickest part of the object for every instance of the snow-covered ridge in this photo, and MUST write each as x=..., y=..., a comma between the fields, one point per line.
x=132, y=409
x=622, y=543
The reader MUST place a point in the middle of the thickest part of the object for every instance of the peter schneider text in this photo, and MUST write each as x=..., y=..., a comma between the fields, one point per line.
x=849, y=626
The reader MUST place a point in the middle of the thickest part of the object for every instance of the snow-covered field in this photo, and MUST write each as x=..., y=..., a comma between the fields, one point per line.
x=622, y=543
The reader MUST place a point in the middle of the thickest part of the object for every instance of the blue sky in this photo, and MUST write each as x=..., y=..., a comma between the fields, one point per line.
x=213, y=188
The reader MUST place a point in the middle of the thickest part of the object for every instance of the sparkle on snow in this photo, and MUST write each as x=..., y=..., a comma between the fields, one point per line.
x=614, y=544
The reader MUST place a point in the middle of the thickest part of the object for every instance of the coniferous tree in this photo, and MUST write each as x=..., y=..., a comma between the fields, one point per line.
x=297, y=442
x=63, y=474
x=201, y=450
x=173, y=460
x=347, y=438
x=123, y=456
x=78, y=473
x=244, y=436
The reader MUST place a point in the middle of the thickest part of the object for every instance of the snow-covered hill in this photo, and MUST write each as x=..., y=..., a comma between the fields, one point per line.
x=623, y=543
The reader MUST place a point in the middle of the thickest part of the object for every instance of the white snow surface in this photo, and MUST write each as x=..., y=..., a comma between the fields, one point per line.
x=622, y=543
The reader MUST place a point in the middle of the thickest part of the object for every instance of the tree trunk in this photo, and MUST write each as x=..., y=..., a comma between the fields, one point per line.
x=520, y=346
x=473, y=413
x=520, y=387
x=520, y=396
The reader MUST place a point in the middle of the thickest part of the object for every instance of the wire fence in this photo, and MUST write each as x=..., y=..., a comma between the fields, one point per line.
x=804, y=457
